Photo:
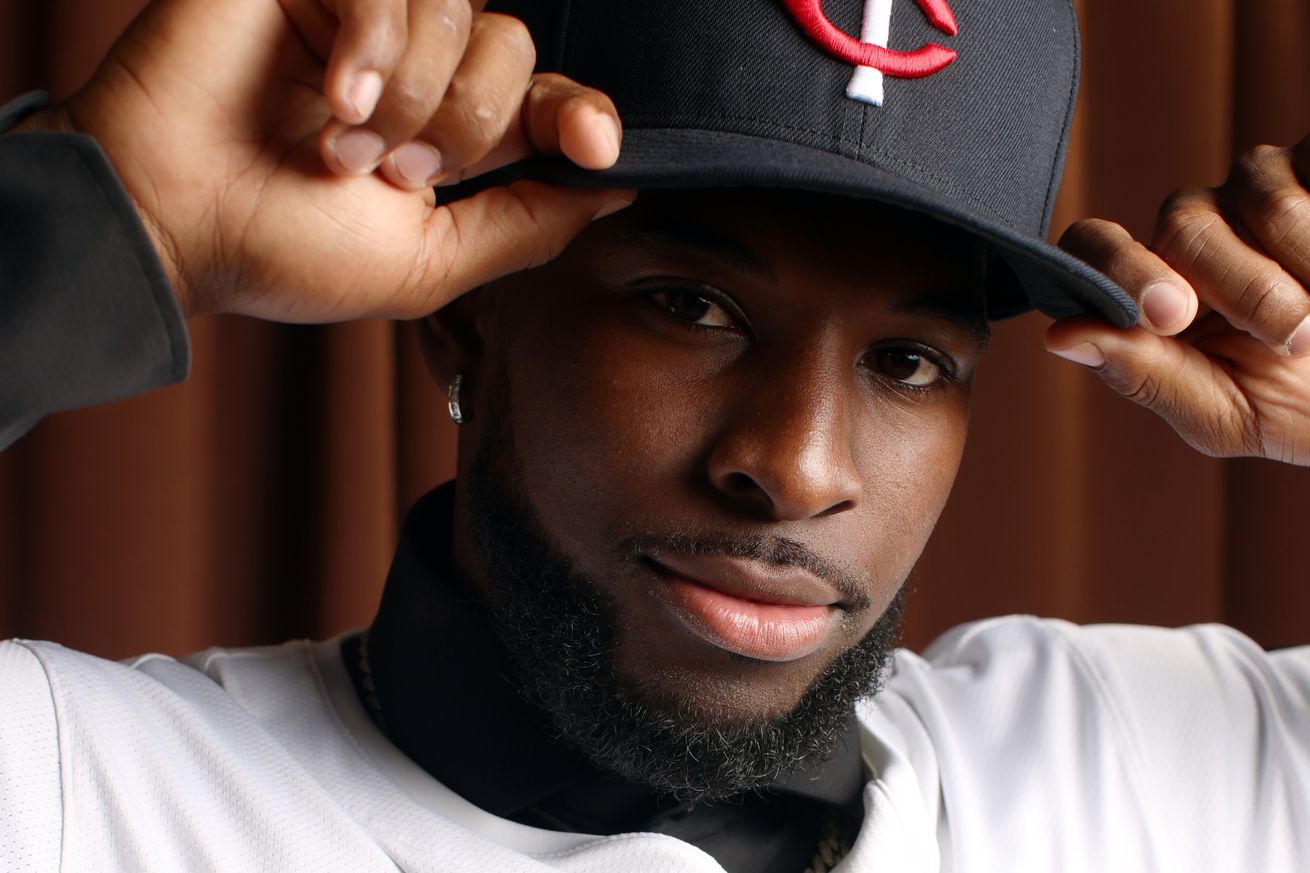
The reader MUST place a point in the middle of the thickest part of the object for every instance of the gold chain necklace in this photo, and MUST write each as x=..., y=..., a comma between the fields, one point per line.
x=833, y=845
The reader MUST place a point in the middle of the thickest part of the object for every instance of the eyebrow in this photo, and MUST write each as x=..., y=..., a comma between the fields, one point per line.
x=738, y=255
x=732, y=252
x=949, y=308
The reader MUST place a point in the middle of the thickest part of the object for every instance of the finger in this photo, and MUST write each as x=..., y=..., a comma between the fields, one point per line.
x=439, y=32
x=502, y=231
x=1274, y=206
x=483, y=98
x=563, y=117
x=1178, y=382
x=1168, y=302
x=1247, y=287
x=369, y=44
x=558, y=116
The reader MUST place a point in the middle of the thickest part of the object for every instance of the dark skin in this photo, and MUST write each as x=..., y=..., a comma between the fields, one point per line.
x=701, y=364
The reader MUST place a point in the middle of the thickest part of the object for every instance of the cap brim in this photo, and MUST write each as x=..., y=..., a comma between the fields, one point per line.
x=1043, y=276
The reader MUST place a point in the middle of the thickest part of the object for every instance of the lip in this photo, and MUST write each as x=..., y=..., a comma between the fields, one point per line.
x=759, y=611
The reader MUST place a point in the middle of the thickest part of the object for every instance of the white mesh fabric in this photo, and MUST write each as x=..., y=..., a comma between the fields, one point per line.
x=30, y=814
x=1014, y=744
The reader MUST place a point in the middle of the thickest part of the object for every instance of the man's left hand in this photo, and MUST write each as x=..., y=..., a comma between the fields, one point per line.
x=1222, y=350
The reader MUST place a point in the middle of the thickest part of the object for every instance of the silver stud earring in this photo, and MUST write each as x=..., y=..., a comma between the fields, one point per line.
x=456, y=414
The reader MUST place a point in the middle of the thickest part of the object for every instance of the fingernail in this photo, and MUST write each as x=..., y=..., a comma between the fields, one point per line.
x=612, y=207
x=359, y=150
x=417, y=162
x=364, y=94
x=1164, y=304
x=1085, y=353
x=612, y=134
x=1299, y=344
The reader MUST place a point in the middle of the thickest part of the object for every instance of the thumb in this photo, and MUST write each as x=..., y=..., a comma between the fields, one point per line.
x=1170, y=377
x=505, y=230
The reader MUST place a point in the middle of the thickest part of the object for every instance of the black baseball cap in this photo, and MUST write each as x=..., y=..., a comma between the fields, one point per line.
x=959, y=109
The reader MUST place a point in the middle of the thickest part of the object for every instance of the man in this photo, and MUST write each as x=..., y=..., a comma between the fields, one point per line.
x=703, y=444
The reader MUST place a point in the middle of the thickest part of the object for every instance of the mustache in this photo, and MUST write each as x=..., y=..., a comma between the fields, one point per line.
x=774, y=550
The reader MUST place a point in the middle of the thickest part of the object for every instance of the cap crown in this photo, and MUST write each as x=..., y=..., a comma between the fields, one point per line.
x=987, y=130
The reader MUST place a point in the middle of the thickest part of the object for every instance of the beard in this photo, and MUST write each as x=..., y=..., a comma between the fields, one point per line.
x=560, y=630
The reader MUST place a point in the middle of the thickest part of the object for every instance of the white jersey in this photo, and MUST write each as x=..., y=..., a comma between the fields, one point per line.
x=1012, y=745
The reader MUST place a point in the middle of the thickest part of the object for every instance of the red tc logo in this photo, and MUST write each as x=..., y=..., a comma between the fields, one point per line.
x=923, y=61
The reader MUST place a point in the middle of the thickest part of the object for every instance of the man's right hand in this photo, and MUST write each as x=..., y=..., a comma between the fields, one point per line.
x=281, y=152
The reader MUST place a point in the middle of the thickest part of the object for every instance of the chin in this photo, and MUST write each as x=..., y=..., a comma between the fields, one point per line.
x=722, y=688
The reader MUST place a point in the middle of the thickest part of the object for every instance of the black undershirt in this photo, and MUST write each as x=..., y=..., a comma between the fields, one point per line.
x=449, y=702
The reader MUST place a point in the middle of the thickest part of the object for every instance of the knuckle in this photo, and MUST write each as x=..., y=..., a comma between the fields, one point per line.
x=1248, y=162
x=511, y=36
x=456, y=16
x=409, y=98
x=1103, y=244
x=1184, y=200
x=481, y=130
x=1089, y=234
x=1259, y=300
x=1251, y=166
x=553, y=86
x=474, y=124
x=1253, y=160
x=384, y=27
x=1284, y=213
x=1184, y=234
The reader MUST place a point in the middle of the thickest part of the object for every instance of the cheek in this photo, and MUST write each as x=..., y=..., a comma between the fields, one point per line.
x=908, y=462
x=605, y=424
x=914, y=456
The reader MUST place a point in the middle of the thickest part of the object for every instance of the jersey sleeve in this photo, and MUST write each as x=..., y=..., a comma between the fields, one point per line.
x=86, y=312
x=1223, y=729
x=31, y=808
x=1115, y=747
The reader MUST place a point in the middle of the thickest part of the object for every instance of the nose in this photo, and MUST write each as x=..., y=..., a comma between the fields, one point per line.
x=785, y=452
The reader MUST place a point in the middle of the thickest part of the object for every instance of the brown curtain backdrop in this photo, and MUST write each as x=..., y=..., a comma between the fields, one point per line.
x=261, y=500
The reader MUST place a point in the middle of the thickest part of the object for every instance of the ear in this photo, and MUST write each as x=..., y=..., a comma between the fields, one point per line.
x=453, y=337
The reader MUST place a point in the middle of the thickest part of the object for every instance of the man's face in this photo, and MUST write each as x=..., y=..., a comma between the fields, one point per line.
x=738, y=416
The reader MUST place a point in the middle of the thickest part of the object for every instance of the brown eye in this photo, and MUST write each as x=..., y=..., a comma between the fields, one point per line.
x=908, y=366
x=692, y=308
